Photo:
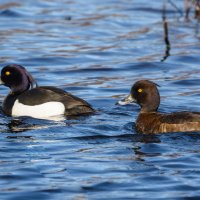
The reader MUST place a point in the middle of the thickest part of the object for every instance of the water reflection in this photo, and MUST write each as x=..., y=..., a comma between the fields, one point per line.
x=24, y=124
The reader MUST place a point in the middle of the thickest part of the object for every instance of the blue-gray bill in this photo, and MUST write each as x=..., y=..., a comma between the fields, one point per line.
x=127, y=100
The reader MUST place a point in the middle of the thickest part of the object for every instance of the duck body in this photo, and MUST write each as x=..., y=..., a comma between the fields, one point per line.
x=38, y=102
x=166, y=123
x=146, y=95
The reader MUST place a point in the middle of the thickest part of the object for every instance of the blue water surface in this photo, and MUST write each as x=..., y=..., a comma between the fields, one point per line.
x=97, y=50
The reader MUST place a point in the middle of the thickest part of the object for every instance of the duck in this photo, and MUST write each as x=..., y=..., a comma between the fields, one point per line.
x=26, y=98
x=149, y=121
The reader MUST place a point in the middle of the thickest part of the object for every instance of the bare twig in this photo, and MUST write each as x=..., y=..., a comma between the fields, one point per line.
x=187, y=5
x=197, y=9
x=174, y=5
x=166, y=38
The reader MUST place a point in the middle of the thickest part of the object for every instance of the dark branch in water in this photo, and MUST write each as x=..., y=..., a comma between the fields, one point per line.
x=174, y=5
x=197, y=9
x=187, y=5
x=166, y=38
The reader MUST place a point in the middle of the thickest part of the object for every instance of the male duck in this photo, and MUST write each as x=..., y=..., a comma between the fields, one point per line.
x=37, y=102
x=145, y=93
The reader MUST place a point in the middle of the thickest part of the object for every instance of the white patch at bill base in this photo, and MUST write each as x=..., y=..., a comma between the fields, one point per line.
x=122, y=103
x=41, y=111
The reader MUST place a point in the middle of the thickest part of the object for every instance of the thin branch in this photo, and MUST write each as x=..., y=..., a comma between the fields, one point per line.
x=187, y=5
x=174, y=5
x=166, y=33
x=197, y=9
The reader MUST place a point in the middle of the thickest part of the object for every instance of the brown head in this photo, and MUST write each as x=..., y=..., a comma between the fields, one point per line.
x=145, y=94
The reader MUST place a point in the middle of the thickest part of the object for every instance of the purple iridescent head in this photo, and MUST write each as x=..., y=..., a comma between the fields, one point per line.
x=16, y=78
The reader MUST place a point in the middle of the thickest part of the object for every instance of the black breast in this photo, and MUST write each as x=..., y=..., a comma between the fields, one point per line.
x=8, y=103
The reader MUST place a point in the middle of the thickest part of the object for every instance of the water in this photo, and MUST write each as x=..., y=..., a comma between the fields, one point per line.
x=97, y=50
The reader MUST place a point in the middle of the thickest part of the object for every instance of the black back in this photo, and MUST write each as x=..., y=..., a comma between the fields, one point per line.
x=45, y=94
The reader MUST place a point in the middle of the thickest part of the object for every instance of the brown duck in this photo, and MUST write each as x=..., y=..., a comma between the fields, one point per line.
x=146, y=94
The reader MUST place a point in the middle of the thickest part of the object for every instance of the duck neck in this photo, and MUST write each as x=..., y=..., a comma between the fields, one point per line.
x=19, y=89
x=148, y=109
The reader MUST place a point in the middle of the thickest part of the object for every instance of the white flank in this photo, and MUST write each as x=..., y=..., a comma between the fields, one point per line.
x=41, y=111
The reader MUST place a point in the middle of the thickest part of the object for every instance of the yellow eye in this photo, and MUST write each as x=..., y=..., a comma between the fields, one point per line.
x=140, y=90
x=7, y=73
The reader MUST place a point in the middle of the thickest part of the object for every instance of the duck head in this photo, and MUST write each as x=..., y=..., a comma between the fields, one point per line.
x=16, y=78
x=145, y=94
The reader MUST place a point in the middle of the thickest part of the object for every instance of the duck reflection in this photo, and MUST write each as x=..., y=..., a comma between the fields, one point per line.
x=144, y=140
x=20, y=125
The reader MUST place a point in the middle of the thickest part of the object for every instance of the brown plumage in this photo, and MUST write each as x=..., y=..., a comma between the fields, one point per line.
x=145, y=93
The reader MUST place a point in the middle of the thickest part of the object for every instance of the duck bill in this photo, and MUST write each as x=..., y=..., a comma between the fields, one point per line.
x=127, y=100
x=1, y=82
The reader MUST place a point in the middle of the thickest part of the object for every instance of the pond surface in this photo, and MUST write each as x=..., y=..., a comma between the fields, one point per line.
x=97, y=50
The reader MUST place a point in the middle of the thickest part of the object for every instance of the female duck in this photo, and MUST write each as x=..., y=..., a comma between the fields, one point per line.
x=38, y=102
x=145, y=93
